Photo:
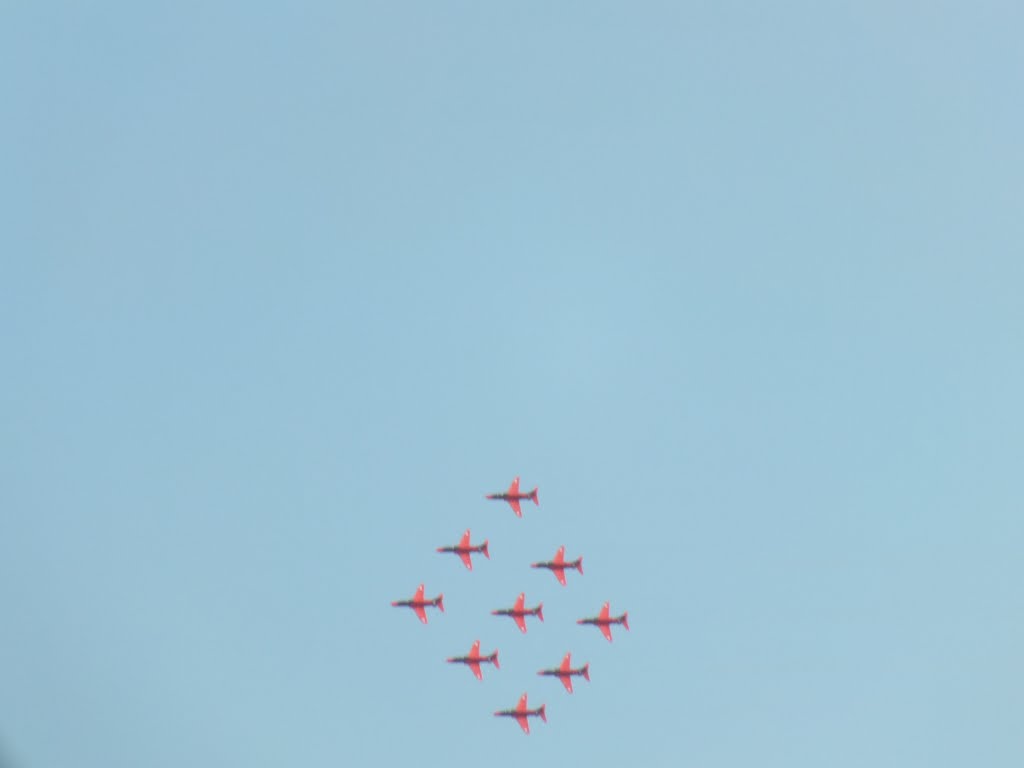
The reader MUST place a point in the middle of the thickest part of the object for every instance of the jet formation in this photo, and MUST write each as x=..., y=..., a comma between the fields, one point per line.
x=465, y=549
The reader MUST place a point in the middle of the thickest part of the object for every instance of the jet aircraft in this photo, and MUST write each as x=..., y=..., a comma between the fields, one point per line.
x=464, y=549
x=522, y=714
x=419, y=604
x=565, y=672
x=604, y=621
x=559, y=564
x=474, y=659
x=513, y=497
x=519, y=612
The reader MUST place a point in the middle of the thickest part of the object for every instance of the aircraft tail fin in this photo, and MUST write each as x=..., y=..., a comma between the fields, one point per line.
x=625, y=620
x=540, y=611
x=494, y=657
x=440, y=602
x=579, y=564
x=533, y=497
x=486, y=554
x=543, y=716
x=586, y=671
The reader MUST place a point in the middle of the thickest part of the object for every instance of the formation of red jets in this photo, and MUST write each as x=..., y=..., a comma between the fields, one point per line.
x=518, y=612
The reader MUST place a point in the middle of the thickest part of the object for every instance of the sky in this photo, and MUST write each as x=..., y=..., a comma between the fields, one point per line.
x=285, y=289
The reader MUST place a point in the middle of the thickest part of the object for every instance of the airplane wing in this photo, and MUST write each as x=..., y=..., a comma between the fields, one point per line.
x=520, y=602
x=520, y=621
x=604, y=612
x=419, y=594
x=559, y=574
x=606, y=630
x=513, y=490
x=524, y=723
x=567, y=682
x=514, y=503
x=421, y=612
x=560, y=555
x=566, y=662
x=475, y=650
x=475, y=666
x=467, y=560
x=464, y=542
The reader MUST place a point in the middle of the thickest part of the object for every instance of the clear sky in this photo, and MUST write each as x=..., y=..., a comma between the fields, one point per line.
x=284, y=290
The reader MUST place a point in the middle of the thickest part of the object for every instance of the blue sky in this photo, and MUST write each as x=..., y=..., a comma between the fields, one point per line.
x=285, y=290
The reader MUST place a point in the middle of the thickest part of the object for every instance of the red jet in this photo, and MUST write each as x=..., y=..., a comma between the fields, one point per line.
x=474, y=659
x=522, y=714
x=519, y=612
x=419, y=604
x=513, y=497
x=463, y=549
x=604, y=621
x=565, y=672
x=558, y=565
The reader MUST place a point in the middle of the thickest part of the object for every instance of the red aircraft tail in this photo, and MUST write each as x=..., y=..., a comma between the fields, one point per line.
x=485, y=550
x=440, y=602
x=579, y=565
x=543, y=716
x=533, y=497
x=540, y=611
x=494, y=657
x=625, y=620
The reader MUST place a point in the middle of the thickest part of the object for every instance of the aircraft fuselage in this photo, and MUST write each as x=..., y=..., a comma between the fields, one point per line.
x=518, y=712
x=557, y=566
